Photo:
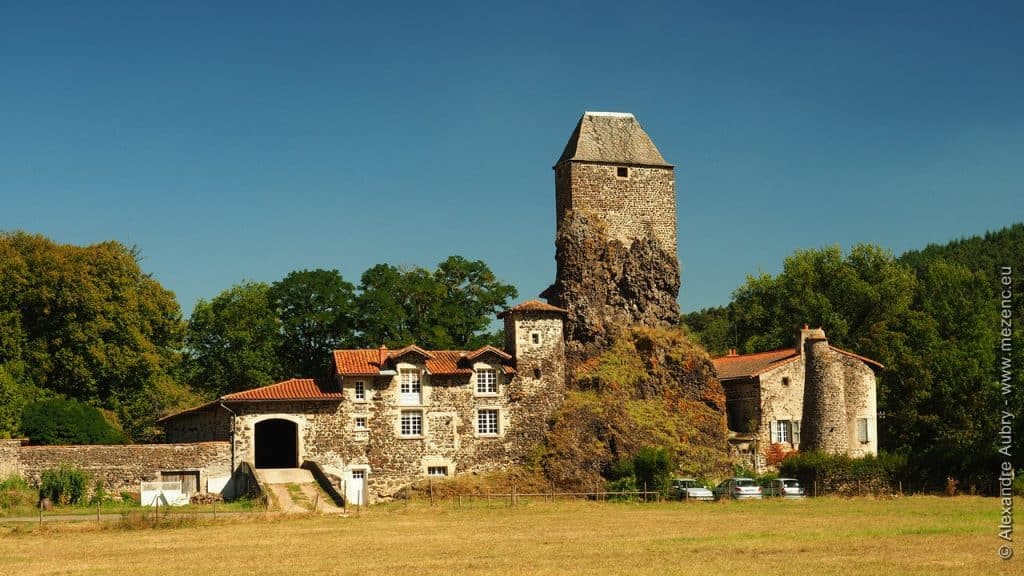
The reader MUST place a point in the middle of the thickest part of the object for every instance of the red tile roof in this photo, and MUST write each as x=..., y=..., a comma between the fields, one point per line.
x=747, y=365
x=357, y=362
x=370, y=362
x=533, y=306
x=750, y=365
x=481, y=351
x=294, y=389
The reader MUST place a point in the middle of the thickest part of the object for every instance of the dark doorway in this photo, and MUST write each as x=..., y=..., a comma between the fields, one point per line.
x=277, y=444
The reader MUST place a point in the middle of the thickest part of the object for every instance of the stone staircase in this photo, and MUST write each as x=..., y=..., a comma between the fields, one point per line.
x=295, y=491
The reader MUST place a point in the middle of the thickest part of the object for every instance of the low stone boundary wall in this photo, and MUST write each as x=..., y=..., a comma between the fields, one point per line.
x=121, y=467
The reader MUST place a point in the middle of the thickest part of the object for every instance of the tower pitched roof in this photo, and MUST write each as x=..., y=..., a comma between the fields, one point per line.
x=611, y=138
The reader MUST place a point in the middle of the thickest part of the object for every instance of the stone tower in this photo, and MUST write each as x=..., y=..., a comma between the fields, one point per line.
x=615, y=205
x=824, y=414
x=534, y=337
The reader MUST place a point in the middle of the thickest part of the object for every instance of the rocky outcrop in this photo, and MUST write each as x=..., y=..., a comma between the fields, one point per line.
x=607, y=287
x=652, y=387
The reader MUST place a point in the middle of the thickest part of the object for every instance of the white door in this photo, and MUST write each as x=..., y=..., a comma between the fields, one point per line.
x=355, y=488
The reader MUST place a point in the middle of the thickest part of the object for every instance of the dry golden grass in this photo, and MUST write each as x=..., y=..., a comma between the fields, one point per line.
x=916, y=535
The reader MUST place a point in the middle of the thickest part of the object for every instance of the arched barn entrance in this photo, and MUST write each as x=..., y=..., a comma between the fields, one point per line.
x=277, y=444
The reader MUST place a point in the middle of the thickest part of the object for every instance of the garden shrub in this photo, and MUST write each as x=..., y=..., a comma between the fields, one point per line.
x=653, y=467
x=64, y=485
x=843, y=474
x=58, y=421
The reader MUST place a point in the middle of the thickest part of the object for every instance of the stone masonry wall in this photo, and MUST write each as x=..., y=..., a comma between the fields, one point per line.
x=824, y=426
x=123, y=467
x=10, y=458
x=209, y=424
x=861, y=402
x=631, y=207
x=780, y=401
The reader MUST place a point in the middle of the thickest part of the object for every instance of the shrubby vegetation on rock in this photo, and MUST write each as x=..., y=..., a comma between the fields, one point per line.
x=652, y=388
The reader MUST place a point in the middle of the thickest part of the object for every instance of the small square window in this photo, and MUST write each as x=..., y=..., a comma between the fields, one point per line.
x=536, y=373
x=535, y=337
x=785, y=381
x=360, y=423
x=437, y=470
x=862, y=430
x=359, y=389
x=487, y=422
x=486, y=381
x=622, y=172
x=411, y=423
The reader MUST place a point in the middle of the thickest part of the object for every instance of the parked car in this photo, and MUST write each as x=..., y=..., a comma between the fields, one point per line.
x=785, y=487
x=738, y=488
x=689, y=489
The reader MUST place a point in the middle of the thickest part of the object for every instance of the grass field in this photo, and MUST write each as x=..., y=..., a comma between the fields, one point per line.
x=913, y=535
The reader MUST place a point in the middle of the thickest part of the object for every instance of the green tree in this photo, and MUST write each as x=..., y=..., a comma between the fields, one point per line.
x=653, y=467
x=315, y=309
x=472, y=296
x=84, y=322
x=13, y=398
x=233, y=340
x=929, y=316
x=449, y=307
x=58, y=421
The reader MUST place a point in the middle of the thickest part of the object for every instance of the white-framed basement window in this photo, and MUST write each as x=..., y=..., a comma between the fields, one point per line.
x=487, y=422
x=487, y=381
x=410, y=424
x=437, y=471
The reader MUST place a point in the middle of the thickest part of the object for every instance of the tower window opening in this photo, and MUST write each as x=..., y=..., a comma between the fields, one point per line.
x=622, y=172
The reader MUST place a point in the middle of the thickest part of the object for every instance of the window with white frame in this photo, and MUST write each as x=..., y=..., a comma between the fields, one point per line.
x=487, y=422
x=781, y=431
x=411, y=423
x=409, y=386
x=487, y=381
x=359, y=390
x=437, y=470
x=862, y=430
x=360, y=423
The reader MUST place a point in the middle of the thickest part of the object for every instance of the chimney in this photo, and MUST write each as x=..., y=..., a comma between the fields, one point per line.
x=382, y=354
x=807, y=333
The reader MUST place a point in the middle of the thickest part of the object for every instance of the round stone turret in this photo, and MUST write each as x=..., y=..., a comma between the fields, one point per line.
x=824, y=425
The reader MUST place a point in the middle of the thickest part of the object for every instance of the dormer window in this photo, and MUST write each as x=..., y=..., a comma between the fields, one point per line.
x=409, y=386
x=487, y=381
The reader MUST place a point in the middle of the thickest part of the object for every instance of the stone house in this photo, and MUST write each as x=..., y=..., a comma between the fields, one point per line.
x=391, y=417
x=810, y=397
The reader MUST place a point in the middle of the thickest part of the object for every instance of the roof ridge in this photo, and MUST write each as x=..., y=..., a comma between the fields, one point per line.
x=776, y=351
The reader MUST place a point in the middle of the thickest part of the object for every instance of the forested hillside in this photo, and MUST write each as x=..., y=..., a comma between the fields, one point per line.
x=931, y=316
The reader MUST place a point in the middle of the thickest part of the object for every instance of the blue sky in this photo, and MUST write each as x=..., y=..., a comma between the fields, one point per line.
x=233, y=141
